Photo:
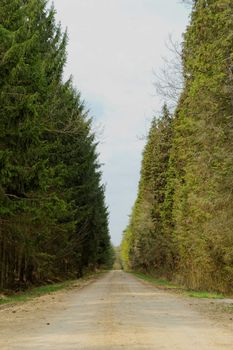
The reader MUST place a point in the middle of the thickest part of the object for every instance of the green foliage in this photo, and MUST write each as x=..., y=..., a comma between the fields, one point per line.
x=146, y=244
x=181, y=225
x=53, y=219
x=202, y=193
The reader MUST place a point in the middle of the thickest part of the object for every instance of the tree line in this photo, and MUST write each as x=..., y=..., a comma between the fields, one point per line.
x=181, y=226
x=53, y=217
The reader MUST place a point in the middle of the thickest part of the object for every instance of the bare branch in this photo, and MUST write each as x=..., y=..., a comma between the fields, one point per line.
x=187, y=2
x=169, y=81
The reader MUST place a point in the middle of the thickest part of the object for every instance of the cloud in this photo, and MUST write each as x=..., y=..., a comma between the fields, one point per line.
x=113, y=47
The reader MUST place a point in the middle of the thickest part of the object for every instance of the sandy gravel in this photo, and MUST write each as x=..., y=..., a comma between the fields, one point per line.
x=117, y=311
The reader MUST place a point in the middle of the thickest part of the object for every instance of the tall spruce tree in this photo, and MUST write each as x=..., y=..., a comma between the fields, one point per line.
x=196, y=208
x=50, y=180
x=150, y=246
x=21, y=166
x=203, y=144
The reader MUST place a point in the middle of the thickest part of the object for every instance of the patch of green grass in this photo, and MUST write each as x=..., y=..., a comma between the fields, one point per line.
x=34, y=292
x=204, y=295
x=156, y=281
x=42, y=290
x=169, y=285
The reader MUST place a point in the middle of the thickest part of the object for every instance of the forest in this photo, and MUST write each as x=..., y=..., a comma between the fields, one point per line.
x=181, y=225
x=53, y=216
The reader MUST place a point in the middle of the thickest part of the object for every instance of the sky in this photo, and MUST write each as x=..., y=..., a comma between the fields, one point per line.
x=114, y=48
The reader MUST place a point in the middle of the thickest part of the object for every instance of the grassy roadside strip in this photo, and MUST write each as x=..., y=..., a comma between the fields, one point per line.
x=46, y=289
x=165, y=284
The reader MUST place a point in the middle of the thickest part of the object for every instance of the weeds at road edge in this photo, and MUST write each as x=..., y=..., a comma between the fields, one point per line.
x=169, y=285
x=42, y=290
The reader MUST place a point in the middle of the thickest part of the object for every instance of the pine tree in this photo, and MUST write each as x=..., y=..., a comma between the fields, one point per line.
x=21, y=67
x=192, y=202
x=203, y=196
x=145, y=239
x=54, y=221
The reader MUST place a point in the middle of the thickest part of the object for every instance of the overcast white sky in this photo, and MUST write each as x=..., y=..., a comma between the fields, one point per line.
x=114, y=46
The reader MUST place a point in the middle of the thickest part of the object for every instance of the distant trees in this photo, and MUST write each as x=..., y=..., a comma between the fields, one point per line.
x=195, y=244
x=146, y=244
x=53, y=218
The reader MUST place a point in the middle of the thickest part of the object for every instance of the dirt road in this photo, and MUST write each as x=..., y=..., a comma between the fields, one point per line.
x=115, y=312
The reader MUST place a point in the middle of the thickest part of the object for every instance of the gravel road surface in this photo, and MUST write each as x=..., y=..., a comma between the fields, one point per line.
x=117, y=311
